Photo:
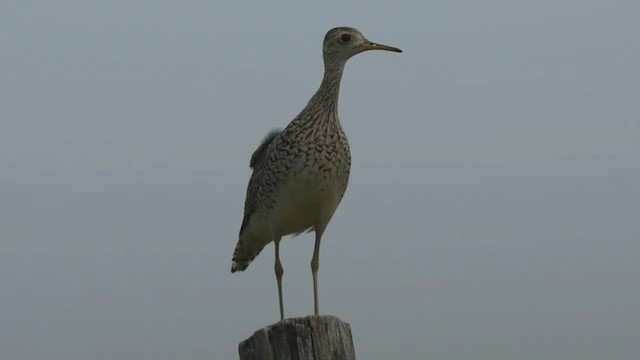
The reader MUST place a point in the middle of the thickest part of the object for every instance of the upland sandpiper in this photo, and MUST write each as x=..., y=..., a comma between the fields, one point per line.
x=301, y=173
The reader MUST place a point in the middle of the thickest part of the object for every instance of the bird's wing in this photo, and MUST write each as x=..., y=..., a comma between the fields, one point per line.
x=247, y=248
x=257, y=159
x=258, y=155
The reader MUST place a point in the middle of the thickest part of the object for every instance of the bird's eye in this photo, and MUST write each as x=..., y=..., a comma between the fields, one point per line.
x=345, y=38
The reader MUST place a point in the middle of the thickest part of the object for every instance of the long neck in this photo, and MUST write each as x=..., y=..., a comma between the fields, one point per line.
x=321, y=112
x=325, y=100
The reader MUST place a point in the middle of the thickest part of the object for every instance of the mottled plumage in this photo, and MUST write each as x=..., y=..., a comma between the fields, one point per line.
x=300, y=174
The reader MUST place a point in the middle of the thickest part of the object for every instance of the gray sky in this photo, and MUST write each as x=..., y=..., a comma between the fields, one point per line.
x=492, y=211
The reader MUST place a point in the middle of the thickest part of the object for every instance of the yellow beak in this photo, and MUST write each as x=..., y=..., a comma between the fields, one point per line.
x=373, y=46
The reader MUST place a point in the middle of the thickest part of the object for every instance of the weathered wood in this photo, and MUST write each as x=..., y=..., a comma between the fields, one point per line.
x=309, y=338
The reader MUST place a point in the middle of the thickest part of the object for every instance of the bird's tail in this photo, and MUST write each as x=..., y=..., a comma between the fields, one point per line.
x=240, y=264
x=246, y=250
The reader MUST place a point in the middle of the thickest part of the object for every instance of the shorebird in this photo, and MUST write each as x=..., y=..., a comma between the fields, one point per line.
x=300, y=174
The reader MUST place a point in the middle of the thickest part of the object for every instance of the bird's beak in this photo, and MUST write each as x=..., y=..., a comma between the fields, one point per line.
x=373, y=46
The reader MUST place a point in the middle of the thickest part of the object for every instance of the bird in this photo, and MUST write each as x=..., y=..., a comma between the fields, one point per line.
x=300, y=173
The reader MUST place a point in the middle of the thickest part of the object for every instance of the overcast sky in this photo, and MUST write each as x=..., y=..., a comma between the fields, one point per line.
x=492, y=213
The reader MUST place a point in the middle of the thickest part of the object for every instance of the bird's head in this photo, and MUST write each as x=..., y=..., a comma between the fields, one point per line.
x=341, y=43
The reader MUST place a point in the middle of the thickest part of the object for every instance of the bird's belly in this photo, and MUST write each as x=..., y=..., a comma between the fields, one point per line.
x=306, y=202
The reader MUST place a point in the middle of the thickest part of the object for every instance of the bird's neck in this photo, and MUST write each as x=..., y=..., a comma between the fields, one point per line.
x=321, y=111
x=326, y=98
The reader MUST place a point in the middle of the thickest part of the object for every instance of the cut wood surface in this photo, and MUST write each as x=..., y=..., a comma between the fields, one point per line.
x=309, y=338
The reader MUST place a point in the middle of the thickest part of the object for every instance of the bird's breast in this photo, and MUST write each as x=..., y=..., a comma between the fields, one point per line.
x=323, y=164
x=315, y=186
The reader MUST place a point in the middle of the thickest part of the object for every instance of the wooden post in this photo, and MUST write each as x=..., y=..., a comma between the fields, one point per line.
x=308, y=338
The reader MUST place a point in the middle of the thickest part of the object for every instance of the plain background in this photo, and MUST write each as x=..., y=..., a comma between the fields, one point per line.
x=492, y=211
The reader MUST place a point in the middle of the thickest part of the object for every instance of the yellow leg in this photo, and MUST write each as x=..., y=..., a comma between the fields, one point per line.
x=314, y=271
x=279, y=271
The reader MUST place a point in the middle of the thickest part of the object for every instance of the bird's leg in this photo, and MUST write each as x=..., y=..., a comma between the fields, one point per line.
x=279, y=271
x=314, y=271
